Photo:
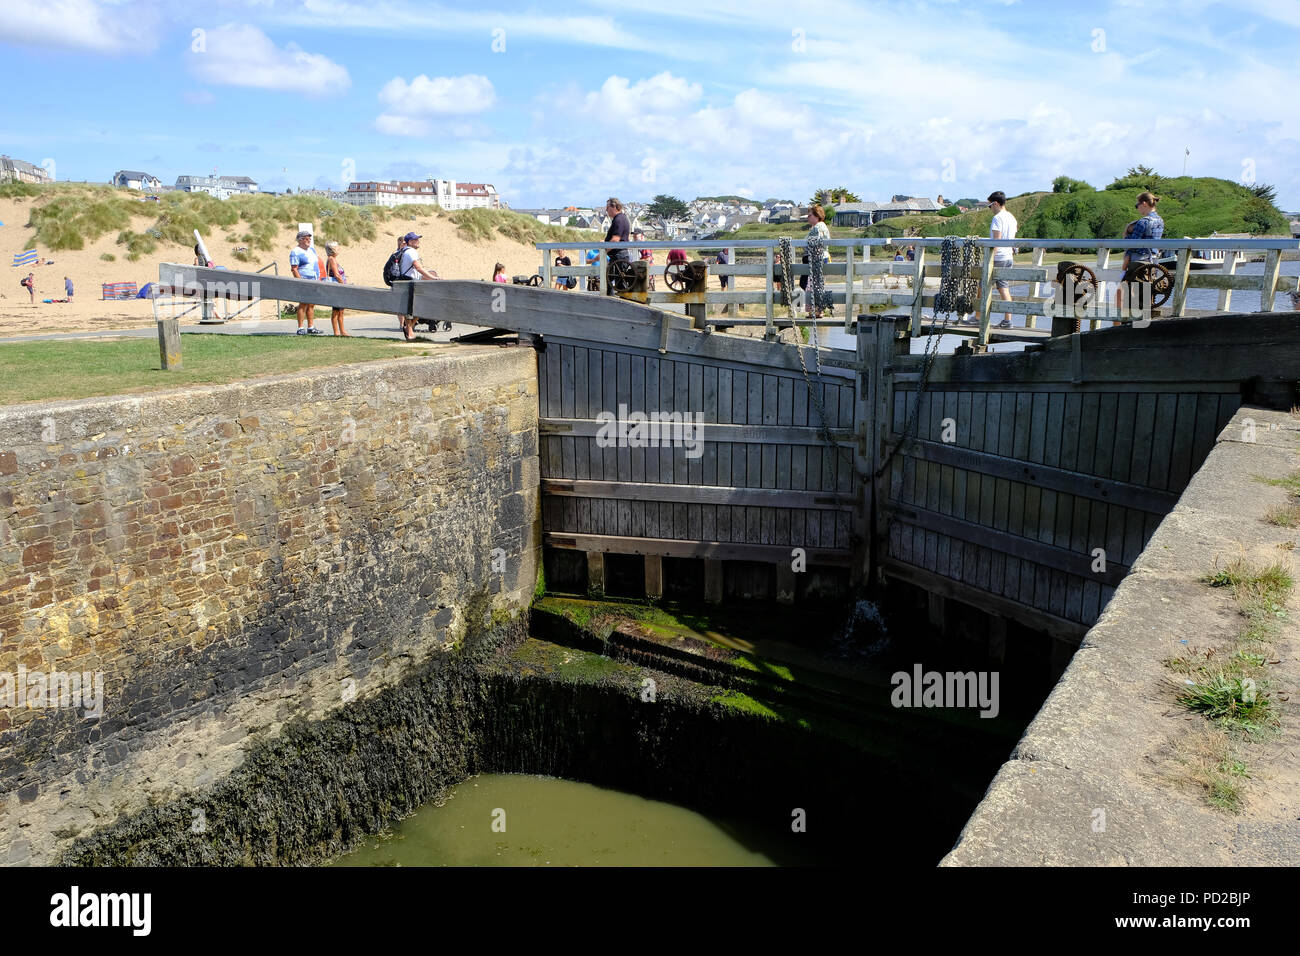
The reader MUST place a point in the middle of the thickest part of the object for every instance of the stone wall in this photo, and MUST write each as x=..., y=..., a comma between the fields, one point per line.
x=232, y=557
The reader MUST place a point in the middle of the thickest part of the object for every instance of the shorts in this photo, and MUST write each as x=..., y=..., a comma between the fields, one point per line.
x=1001, y=284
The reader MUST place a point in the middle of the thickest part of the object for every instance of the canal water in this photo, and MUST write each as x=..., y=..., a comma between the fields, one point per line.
x=524, y=820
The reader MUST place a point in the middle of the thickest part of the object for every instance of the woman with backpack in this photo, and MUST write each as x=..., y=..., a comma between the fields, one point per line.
x=30, y=285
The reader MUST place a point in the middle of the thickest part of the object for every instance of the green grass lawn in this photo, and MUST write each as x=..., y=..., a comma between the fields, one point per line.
x=40, y=371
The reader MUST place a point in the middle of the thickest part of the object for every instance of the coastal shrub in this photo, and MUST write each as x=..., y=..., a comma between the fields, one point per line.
x=16, y=190
x=67, y=221
x=108, y=257
x=137, y=244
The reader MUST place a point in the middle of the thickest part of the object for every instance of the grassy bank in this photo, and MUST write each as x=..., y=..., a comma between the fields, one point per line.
x=43, y=371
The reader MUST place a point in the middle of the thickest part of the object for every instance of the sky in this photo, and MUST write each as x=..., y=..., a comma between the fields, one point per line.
x=568, y=103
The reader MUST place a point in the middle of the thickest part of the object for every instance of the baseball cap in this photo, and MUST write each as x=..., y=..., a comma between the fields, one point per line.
x=411, y=235
x=304, y=235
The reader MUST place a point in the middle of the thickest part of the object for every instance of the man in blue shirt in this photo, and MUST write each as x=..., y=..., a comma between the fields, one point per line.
x=304, y=264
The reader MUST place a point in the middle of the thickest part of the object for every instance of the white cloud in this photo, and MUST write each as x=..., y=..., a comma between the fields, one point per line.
x=242, y=55
x=80, y=24
x=411, y=106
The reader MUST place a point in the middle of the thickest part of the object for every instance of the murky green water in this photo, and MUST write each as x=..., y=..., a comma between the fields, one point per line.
x=550, y=822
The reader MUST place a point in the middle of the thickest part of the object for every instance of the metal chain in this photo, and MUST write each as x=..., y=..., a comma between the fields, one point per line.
x=784, y=243
x=958, y=293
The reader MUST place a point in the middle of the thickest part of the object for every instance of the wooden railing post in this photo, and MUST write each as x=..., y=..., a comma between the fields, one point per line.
x=1268, y=281
x=733, y=308
x=169, y=344
x=848, y=287
x=986, y=297
x=1031, y=320
x=1103, y=291
x=1181, y=266
x=770, y=332
x=918, y=291
x=1229, y=269
x=546, y=268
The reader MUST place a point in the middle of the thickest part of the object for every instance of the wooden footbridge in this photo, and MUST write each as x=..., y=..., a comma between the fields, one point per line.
x=1022, y=483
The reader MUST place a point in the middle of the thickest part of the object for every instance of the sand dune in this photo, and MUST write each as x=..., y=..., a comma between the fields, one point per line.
x=451, y=255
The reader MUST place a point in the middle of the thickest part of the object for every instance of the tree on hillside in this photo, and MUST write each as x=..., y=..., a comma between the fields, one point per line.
x=1064, y=184
x=1140, y=177
x=667, y=207
x=1261, y=216
x=1265, y=192
x=830, y=197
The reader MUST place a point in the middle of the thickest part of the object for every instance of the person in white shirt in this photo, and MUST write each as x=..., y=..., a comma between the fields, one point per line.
x=411, y=268
x=1003, y=227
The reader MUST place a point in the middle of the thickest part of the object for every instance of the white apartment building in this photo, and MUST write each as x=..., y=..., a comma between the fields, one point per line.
x=447, y=193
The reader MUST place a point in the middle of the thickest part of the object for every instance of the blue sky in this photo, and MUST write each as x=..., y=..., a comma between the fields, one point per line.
x=569, y=103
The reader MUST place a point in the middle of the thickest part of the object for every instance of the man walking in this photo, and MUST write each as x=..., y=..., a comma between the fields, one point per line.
x=411, y=268
x=1003, y=227
x=304, y=265
x=67, y=287
x=30, y=285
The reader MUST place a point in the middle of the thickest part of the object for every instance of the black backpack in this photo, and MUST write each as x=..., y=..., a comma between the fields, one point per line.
x=393, y=267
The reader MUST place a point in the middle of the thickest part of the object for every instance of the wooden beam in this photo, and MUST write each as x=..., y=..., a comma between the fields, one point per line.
x=169, y=344
x=696, y=494
x=1181, y=266
x=1152, y=500
x=1213, y=349
x=986, y=296
x=785, y=583
x=1268, y=282
x=918, y=291
x=984, y=600
x=706, y=432
x=654, y=576
x=1076, y=563
x=596, y=572
x=713, y=582
x=675, y=548
x=188, y=280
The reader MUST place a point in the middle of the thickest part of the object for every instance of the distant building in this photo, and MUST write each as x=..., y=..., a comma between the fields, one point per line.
x=238, y=184
x=20, y=171
x=134, y=179
x=856, y=213
x=223, y=187
x=202, y=184
x=447, y=193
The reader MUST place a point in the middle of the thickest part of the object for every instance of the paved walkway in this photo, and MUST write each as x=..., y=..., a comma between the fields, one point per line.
x=365, y=325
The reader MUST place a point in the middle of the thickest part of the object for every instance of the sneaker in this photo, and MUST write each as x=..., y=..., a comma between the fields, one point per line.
x=446, y=326
x=302, y=331
x=1004, y=324
x=315, y=331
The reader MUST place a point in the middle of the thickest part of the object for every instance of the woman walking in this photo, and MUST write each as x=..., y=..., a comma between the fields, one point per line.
x=816, y=227
x=334, y=273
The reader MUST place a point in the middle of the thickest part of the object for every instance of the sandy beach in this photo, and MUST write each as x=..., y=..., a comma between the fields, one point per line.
x=443, y=248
